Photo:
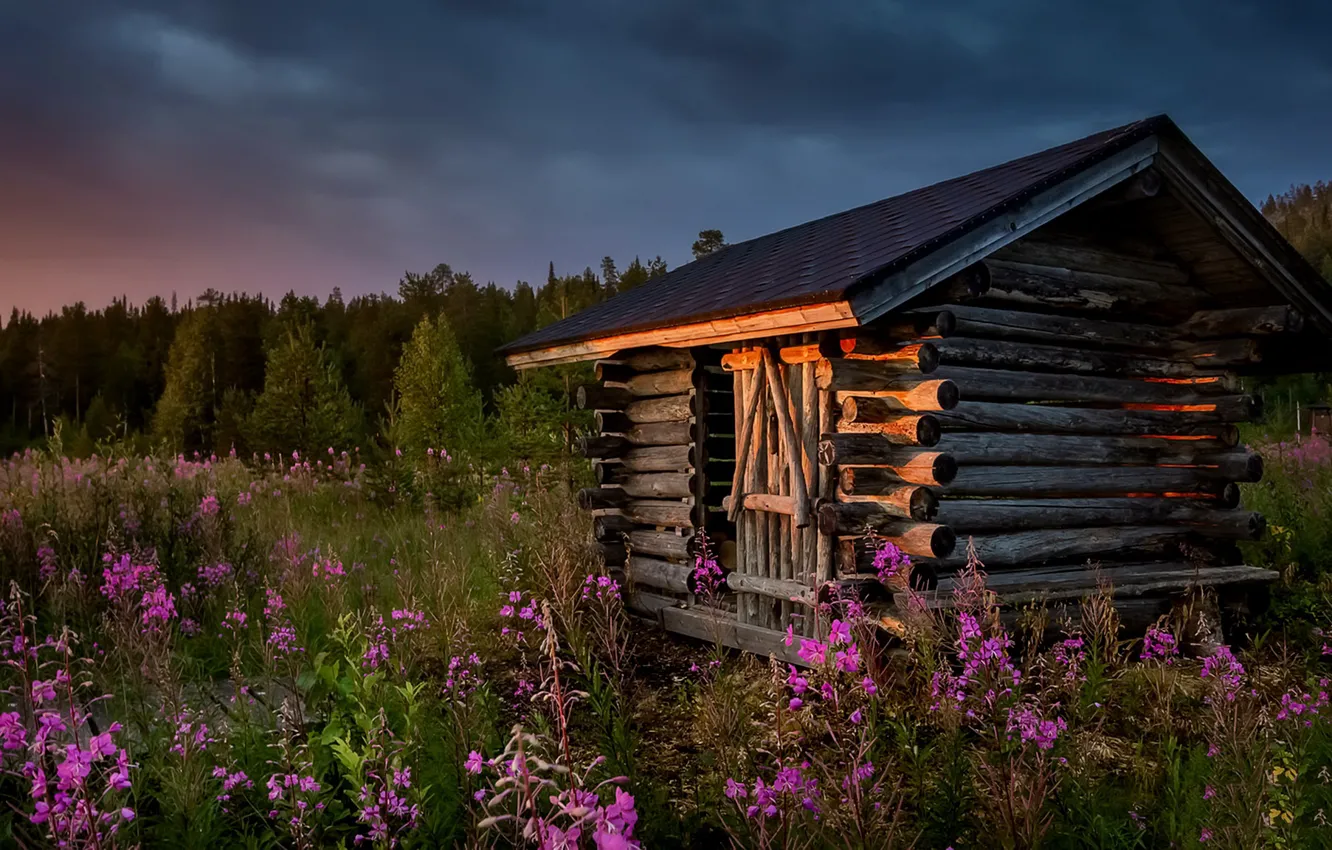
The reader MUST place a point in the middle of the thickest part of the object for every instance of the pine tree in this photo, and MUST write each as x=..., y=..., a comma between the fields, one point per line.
x=304, y=405
x=438, y=406
x=531, y=420
x=186, y=411
x=708, y=242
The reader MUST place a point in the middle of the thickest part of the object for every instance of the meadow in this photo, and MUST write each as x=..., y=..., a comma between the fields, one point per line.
x=311, y=651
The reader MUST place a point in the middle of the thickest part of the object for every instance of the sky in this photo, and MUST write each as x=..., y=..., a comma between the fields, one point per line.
x=158, y=147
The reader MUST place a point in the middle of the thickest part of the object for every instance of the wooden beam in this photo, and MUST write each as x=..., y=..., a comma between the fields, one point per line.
x=1001, y=354
x=1049, y=546
x=1258, y=321
x=813, y=317
x=930, y=395
x=919, y=540
x=744, y=446
x=660, y=574
x=1026, y=326
x=995, y=449
x=782, y=403
x=662, y=544
x=840, y=374
x=601, y=498
x=920, y=429
x=662, y=513
x=598, y=397
x=900, y=465
x=765, y=502
x=670, y=408
x=908, y=501
x=1053, y=481
x=1200, y=425
x=977, y=515
x=977, y=384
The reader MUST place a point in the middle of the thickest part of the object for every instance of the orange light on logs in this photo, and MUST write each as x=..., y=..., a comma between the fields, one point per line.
x=1172, y=408
x=1178, y=437
x=1211, y=379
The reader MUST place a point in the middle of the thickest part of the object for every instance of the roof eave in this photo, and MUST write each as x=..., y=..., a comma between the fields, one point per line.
x=805, y=318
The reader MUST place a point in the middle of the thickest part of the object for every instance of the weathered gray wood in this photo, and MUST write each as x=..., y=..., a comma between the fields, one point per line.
x=671, y=408
x=1050, y=546
x=825, y=565
x=715, y=626
x=916, y=396
x=917, y=429
x=663, y=513
x=839, y=519
x=1244, y=321
x=977, y=515
x=657, y=573
x=598, y=397
x=1091, y=259
x=1050, y=287
x=660, y=459
x=878, y=460
x=1002, y=354
x=860, y=375
x=1049, y=419
x=674, y=382
x=1131, y=580
x=648, y=605
x=781, y=589
x=601, y=498
x=1025, y=326
x=1224, y=353
x=603, y=445
x=659, y=485
x=1072, y=481
x=976, y=384
x=660, y=434
x=998, y=449
x=661, y=544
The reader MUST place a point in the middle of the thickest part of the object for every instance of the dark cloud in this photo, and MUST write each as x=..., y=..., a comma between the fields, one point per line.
x=152, y=146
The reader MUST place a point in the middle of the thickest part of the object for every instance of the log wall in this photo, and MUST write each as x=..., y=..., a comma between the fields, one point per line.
x=1080, y=405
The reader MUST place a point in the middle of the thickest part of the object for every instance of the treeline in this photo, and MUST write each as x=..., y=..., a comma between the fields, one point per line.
x=239, y=371
x=1304, y=216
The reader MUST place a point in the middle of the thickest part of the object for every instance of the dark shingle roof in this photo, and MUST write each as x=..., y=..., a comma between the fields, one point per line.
x=820, y=260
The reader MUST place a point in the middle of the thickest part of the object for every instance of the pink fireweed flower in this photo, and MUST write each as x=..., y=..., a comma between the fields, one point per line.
x=812, y=652
x=1069, y=656
x=159, y=608
x=474, y=763
x=209, y=506
x=1160, y=645
x=890, y=561
x=234, y=620
x=213, y=575
x=1223, y=667
x=839, y=633
x=1032, y=727
x=243, y=499
x=273, y=604
x=283, y=640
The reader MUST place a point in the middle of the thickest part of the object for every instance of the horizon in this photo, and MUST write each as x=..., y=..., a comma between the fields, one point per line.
x=154, y=150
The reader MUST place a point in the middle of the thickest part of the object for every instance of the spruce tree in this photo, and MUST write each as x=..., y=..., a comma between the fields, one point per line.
x=304, y=405
x=438, y=406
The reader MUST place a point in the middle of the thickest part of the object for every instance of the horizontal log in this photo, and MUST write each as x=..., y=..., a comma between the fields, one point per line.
x=1051, y=287
x=920, y=429
x=602, y=445
x=671, y=408
x=660, y=513
x=601, y=498
x=994, y=449
x=911, y=501
x=612, y=553
x=616, y=373
x=654, y=572
x=658, y=485
x=1204, y=426
x=710, y=625
x=1049, y=546
x=1225, y=353
x=661, y=544
x=787, y=591
x=895, y=516
x=646, y=604
x=918, y=540
x=660, y=434
x=1025, y=326
x=1002, y=354
x=971, y=282
x=659, y=459
x=662, y=383
x=925, y=468
x=598, y=397
x=766, y=503
x=1129, y=580
x=1092, y=259
x=655, y=358
x=975, y=515
x=916, y=395
x=1053, y=481
x=976, y=384
x=912, y=324
x=1244, y=321
x=876, y=374
x=608, y=527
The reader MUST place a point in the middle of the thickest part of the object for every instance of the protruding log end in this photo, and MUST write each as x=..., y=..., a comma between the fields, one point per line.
x=942, y=541
x=945, y=323
x=1229, y=435
x=975, y=278
x=945, y=468
x=928, y=431
x=1257, y=526
x=928, y=358
x=1228, y=496
x=610, y=527
x=597, y=397
x=614, y=372
x=1253, y=468
x=600, y=498
x=923, y=504
x=948, y=395
x=603, y=445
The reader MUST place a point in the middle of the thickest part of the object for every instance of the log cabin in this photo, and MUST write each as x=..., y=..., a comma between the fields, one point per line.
x=1045, y=360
